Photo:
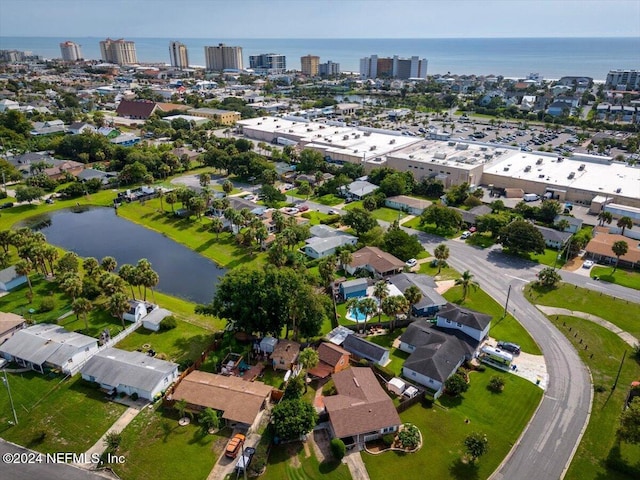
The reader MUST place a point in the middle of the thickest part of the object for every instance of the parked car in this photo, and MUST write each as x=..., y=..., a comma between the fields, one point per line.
x=234, y=445
x=245, y=460
x=509, y=347
x=6, y=205
x=333, y=212
x=466, y=234
x=412, y=262
x=588, y=264
x=303, y=208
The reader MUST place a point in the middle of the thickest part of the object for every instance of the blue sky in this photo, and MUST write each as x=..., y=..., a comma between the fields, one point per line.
x=321, y=18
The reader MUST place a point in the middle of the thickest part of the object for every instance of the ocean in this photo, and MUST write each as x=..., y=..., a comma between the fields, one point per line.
x=552, y=58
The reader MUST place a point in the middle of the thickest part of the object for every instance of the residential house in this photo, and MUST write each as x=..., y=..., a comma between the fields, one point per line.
x=361, y=411
x=130, y=373
x=331, y=359
x=91, y=173
x=575, y=224
x=48, y=128
x=431, y=300
x=361, y=348
x=136, y=109
x=125, y=140
x=326, y=240
x=381, y=264
x=45, y=346
x=358, y=189
x=474, y=324
x=239, y=401
x=285, y=354
x=62, y=168
x=6, y=105
x=353, y=288
x=435, y=354
x=77, y=128
x=410, y=205
x=10, y=323
x=152, y=320
x=599, y=248
x=9, y=279
x=137, y=310
x=470, y=217
x=554, y=238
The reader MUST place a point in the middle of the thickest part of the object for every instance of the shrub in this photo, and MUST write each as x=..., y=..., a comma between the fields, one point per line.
x=599, y=388
x=409, y=436
x=112, y=441
x=3, y=194
x=388, y=439
x=184, y=364
x=456, y=385
x=47, y=304
x=258, y=463
x=481, y=368
x=134, y=396
x=331, y=219
x=329, y=389
x=168, y=323
x=338, y=448
x=496, y=384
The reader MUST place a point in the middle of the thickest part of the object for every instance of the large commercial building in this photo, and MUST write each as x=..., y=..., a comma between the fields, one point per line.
x=223, y=57
x=70, y=52
x=268, y=63
x=396, y=67
x=121, y=52
x=329, y=69
x=624, y=79
x=179, y=55
x=309, y=65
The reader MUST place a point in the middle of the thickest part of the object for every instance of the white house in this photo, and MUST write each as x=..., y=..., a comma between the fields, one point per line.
x=9, y=279
x=474, y=324
x=325, y=240
x=130, y=372
x=81, y=127
x=137, y=310
x=46, y=346
x=152, y=320
x=554, y=238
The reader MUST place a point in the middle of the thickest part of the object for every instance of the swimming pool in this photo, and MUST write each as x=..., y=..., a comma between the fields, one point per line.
x=356, y=315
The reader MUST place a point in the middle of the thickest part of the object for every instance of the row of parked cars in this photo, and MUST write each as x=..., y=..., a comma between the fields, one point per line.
x=235, y=447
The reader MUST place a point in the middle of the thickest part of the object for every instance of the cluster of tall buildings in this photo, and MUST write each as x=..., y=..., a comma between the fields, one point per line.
x=393, y=67
x=310, y=65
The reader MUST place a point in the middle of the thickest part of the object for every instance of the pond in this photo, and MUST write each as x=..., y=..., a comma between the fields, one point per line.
x=99, y=232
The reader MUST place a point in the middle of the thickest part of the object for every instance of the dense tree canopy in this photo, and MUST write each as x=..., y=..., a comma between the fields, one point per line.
x=401, y=244
x=293, y=418
x=522, y=237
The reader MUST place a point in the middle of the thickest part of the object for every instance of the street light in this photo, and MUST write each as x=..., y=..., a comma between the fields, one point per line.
x=6, y=382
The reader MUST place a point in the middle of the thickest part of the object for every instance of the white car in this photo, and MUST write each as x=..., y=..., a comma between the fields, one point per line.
x=587, y=264
x=412, y=262
x=466, y=234
x=333, y=212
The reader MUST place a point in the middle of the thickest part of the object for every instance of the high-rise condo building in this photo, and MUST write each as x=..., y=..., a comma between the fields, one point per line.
x=309, y=65
x=222, y=57
x=329, y=69
x=396, y=67
x=268, y=63
x=70, y=52
x=623, y=79
x=179, y=55
x=122, y=52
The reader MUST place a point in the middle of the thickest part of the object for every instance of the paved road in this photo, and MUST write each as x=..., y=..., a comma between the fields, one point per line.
x=40, y=471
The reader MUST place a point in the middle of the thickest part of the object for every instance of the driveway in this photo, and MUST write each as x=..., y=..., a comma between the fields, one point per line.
x=224, y=466
x=354, y=462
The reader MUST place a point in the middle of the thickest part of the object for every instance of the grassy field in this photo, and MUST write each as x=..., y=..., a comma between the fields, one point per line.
x=507, y=328
x=17, y=302
x=294, y=462
x=446, y=273
x=626, y=278
x=619, y=312
x=445, y=425
x=156, y=447
x=429, y=228
x=329, y=200
x=603, y=358
x=55, y=415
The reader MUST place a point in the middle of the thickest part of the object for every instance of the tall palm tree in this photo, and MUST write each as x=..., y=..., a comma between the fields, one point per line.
x=277, y=217
x=72, y=285
x=467, y=282
x=24, y=267
x=380, y=291
x=368, y=307
x=129, y=274
x=82, y=306
x=217, y=225
x=619, y=248
x=149, y=279
x=413, y=296
x=625, y=222
x=308, y=358
x=109, y=264
x=605, y=217
x=51, y=255
x=118, y=306
x=345, y=258
x=91, y=266
x=441, y=253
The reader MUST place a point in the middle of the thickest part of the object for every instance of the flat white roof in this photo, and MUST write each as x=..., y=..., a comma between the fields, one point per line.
x=452, y=153
x=600, y=178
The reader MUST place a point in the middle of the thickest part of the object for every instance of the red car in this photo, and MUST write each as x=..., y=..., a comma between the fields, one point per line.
x=303, y=208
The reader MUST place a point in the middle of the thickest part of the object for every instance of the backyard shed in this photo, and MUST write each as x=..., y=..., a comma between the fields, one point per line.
x=354, y=288
x=267, y=344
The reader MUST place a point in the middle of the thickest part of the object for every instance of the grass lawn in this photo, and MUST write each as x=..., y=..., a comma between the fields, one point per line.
x=55, y=415
x=17, y=302
x=429, y=228
x=619, y=312
x=315, y=217
x=330, y=200
x=388, y=214
x=156, y=447
x=444, y=429
x=507, y=328
x=481, y=240
x=549, y=257
x=352, y=205
x=294, y=193
x=446, y=273
x=396, y=355
x=293, y=462
x=599, y=440
x=624, y=277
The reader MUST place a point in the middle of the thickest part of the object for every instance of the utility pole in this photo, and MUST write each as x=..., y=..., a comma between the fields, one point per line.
x=506, y=305
x=6, y=382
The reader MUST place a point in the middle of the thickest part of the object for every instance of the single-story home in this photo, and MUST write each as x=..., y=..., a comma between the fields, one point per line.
x=90, y=173
x=130, y=372
x=137, y=310
x=470, y=217
x=411, y=205
x=239, y=401
x=81, y=127
x=331, y=359
x=474, y=324
x=361, y=348
x=362, y=410
x=9, y=279
x=46, y=346
x=554, y=238
x=575, y=224
x=358, y=189
x=136, y=109
x=376, y=261
x=431, y=300
x=152, y=320
x=325, y=240
x=10, y=323
x=353, y=288
x=599, y=248
x=285, y=354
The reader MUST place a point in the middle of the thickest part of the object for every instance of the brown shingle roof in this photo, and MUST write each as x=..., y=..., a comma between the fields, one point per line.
x=380, y=261
x=361, y=405
x=239, y=400
x=286, y=350
x=330, y=353
x=602, y=242
x=9, y=321
x=168, y=107
x=136, y=109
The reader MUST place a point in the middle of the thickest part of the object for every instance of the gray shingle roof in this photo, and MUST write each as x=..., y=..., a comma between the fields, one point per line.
x=363, y=348
x=425, y=284
x=552, y=235
x=8, y=274
x=464, y=316
x=134, y=369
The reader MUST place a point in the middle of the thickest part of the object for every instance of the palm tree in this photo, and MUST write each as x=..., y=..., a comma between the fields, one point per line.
x=605, y=217
x=368, y=307
x=217, y=225
x=51, y=255
x=91, y=266
x=72, y=285
x=620, y=248
x=308, y=358
x=149, y=279
x=345, y=258
x=118, y=306
x=161, y=196
x=109, y=264
x=82, y=306
x=413, y=296
x=129, y=274
x=467, y=282
x=625, y=222
x=393, y=306
x=24, y=267
x=172, y=199
x=380, y=291
x=181, y=407
x=441, y=253
x=227, y=187
x=111, y=284
x=277, y=218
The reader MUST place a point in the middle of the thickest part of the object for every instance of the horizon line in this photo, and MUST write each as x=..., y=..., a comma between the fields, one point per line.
x=332, y=38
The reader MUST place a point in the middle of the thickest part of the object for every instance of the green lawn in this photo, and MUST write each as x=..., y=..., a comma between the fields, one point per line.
x=294, y=193
x=446, y=273
x=444, y=429
x=156, y=447
x=55, y=415
x=352, y=205
x=624, y=277
x=507, y=328
x=482, y=240
x=549, y=258
x=396, y=355
x=429, y=228
x=619, y=312
x=291, y=462
x=17, y=302
x=603, y=358
x=315, y=217
x=388, y=214
x=329, y=200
